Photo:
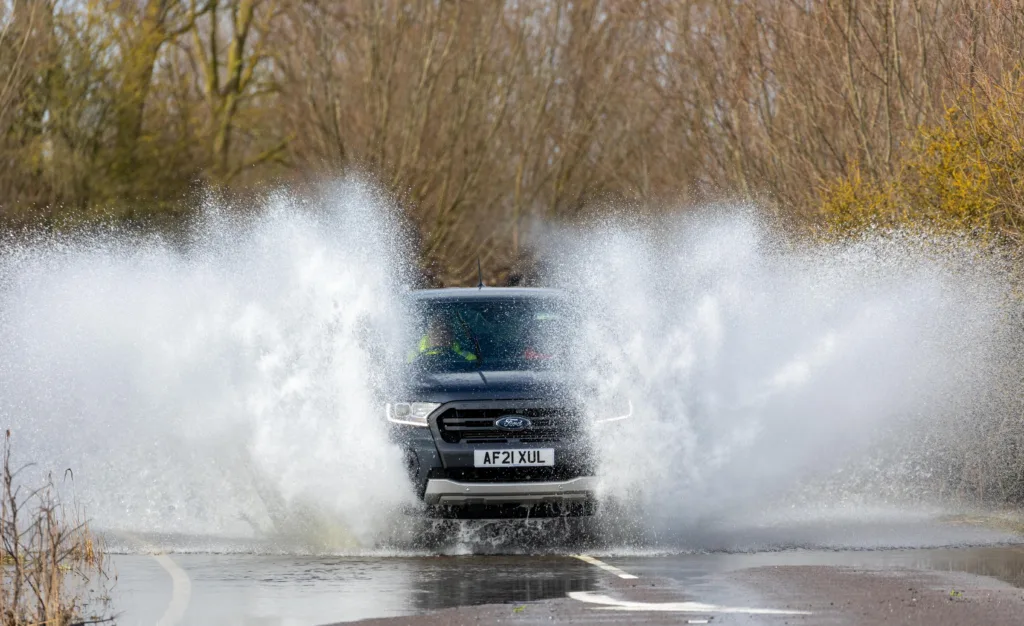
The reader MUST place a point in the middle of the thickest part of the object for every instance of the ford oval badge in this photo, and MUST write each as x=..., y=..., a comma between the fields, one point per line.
x=511, y=422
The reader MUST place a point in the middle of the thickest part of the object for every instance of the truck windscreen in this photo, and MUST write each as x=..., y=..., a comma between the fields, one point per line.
x=500, y=333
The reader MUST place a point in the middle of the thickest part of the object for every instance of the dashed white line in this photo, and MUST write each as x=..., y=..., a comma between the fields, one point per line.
x=605, y=566
x=611, y=604
x=181, y=591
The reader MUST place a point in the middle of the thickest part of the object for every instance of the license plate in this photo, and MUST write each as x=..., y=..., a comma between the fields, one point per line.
x=514, y=458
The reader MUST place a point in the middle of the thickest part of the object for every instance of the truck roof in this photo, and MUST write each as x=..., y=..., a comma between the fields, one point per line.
x=471, y=293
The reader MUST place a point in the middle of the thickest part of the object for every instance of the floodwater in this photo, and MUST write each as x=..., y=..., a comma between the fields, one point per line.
x=280, y=590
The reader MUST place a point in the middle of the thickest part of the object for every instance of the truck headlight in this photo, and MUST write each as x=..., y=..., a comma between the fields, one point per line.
x=410, y=413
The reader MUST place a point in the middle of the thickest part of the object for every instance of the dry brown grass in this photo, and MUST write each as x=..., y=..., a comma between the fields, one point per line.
x=53, y=568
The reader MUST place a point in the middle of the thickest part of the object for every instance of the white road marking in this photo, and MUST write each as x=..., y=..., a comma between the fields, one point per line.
x=605, y=566
x=181, y=586
x=611, y=604
x=181, y=591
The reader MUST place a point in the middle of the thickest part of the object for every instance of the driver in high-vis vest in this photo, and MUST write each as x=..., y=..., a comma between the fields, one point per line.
x=438, y=340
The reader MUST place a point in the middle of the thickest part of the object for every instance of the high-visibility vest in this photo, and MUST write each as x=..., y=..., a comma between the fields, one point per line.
x=426, y=350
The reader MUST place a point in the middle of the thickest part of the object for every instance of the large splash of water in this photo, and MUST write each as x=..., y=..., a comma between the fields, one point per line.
x=215, y=387
x=218, y=387
x=759, y=367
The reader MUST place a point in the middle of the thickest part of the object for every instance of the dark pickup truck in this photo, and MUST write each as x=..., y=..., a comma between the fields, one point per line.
x=486, y=410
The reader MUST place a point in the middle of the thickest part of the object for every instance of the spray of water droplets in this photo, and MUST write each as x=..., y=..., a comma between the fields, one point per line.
x=761, y=369
x=217, y=387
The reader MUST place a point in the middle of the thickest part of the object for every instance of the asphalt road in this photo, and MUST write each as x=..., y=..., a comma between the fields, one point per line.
x=820, y=574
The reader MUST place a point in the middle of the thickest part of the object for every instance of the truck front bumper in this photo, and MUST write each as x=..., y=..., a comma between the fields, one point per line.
x=446, y=492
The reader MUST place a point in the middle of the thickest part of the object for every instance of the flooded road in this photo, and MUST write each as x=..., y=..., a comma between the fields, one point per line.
x=278, y=590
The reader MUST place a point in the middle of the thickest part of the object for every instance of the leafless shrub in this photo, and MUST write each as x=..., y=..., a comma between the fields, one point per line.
x=481, y=117
x=53, y=568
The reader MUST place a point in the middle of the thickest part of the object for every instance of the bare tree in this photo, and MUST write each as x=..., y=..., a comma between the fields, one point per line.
x=482, y=118
x=231, y=47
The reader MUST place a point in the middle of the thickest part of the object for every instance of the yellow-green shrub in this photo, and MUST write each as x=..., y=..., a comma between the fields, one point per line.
x=964, y=175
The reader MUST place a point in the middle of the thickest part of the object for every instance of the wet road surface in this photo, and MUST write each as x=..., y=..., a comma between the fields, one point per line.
x=826, y=581
x=265, y=590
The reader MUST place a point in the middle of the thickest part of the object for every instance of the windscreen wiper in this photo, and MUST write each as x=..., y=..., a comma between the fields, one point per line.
x=469, y=333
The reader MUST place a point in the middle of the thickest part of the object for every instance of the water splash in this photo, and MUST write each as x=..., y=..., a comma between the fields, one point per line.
x=758, y=366
x=215, y=387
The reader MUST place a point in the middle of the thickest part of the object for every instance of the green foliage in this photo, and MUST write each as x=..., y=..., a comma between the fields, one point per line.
x=963, y=175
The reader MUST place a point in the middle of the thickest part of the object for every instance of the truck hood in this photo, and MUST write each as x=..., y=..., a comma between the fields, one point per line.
x=486, y=385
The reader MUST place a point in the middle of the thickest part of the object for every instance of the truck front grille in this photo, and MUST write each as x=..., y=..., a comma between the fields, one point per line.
x=477, y=426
